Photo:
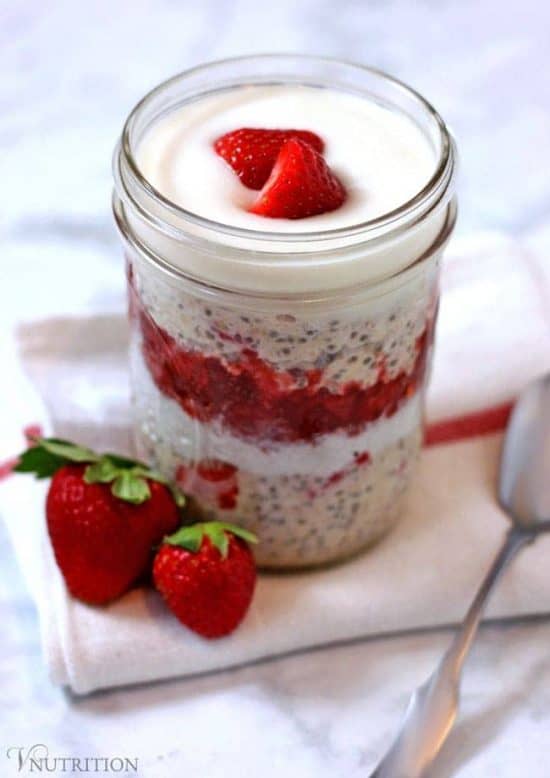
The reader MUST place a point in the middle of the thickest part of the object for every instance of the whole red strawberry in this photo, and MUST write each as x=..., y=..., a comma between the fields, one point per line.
x=301, y=184
x=252, y=152
x=206, y=574
x=104, y=514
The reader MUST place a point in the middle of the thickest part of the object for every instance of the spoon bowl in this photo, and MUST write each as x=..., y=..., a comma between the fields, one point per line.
x=524, y=484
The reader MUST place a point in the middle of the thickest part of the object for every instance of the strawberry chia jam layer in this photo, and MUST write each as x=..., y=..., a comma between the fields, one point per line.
x=304, y=429
x=257, y=400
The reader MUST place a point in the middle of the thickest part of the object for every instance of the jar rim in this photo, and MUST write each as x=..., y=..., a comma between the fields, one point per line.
x=435, y=193
x=345, y=295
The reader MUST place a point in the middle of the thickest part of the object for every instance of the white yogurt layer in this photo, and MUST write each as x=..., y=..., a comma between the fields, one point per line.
x=380, y=155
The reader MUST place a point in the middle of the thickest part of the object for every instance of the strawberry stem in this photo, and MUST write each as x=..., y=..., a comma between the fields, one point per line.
x=127, y=476
x=190, y=537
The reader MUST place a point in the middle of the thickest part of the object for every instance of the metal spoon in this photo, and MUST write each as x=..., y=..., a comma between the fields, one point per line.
x=524, y=493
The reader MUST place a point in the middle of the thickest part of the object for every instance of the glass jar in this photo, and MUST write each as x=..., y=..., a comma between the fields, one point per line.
x=280, y=378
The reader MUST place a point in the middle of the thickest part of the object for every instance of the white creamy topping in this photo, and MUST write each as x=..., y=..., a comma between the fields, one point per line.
x=380, y=155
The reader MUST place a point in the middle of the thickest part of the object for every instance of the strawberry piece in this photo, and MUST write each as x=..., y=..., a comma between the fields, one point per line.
x=215, y=470
x=211, y=481
x=104, y=514
x=206, y=575
x=252, y=152
x=301, y=184
x=102, y=544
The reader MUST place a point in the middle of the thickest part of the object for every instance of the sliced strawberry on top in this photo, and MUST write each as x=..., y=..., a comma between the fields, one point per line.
x=301, y=184
x=252, y=152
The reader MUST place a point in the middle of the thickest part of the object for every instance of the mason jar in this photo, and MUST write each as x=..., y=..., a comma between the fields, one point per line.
x=279, y=378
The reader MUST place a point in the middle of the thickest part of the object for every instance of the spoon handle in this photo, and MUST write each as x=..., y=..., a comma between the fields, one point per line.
x=433, y=707
x=463, y=639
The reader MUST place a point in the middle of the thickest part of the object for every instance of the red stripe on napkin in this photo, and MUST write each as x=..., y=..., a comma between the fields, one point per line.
x=30, y=432
x=470, y=425
x=6, y=468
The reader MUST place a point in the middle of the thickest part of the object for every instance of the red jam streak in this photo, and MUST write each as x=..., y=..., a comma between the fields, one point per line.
x=255, y=401
x=211, y=481
x=359, y=459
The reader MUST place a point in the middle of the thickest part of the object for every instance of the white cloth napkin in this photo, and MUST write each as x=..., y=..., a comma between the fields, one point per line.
x=69, y=374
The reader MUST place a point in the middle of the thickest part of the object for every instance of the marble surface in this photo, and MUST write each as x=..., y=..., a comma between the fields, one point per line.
x=70, y=73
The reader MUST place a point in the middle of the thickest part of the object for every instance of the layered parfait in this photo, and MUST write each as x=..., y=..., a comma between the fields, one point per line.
x=284, y=391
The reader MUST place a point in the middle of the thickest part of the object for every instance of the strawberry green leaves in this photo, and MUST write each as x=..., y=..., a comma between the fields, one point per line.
x=130, y=487
x=191, y=537
x=49, y=454
x=66, y=450
x=127, y=476
x=101, y=472
x=128, y=480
